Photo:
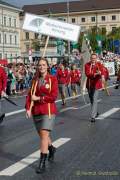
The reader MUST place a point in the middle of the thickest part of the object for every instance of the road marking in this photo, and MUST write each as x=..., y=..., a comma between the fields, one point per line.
x=62, y=110
x=14, y=112
x=25, y=162
x=75, y=108
x=68, y=108
x=72, y=97
x=108, y=113
x=23, y=110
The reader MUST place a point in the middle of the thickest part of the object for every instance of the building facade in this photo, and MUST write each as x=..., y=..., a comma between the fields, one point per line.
x=104, y=19
x=9, y=32
x=87, y=14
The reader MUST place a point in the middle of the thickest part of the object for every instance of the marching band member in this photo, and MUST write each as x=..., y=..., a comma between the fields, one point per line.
x=44, y=110
x=75, y=78
x=106, y=78
x=118, y=78
x=62, y=76
x=3, y=84
x=68, y=81
x=95, y=75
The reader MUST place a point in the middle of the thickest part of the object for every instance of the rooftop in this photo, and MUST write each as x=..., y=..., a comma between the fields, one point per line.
x=9, y=5
x=74, y=6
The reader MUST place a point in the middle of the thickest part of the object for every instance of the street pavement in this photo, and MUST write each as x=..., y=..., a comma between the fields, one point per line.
x=85, y=150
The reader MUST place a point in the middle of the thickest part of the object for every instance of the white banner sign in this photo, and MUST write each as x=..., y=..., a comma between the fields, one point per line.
x=51, y=27
x=111, y=68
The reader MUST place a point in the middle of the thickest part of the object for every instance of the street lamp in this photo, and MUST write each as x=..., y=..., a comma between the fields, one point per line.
x=68, y=15
x=2, y=34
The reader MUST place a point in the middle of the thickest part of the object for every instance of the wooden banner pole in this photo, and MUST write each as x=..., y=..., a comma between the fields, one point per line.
x=32, y=103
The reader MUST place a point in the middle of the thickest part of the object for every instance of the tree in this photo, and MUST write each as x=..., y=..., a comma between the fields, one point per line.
x=113, y=36
x=80, y=41
x=97, y=38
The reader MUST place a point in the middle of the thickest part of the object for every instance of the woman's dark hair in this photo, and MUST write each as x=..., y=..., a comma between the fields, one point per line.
x=37, y=73
x=44, y=59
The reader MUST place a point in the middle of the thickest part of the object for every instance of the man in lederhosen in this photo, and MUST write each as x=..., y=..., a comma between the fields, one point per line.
x=3, y=83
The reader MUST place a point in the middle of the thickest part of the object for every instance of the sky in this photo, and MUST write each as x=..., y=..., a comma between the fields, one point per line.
x=21, y=3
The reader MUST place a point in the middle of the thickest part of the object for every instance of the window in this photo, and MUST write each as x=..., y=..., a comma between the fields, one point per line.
x=4, y=21
x=93, y=19
x=0, y=55
x=73, y=20
x=83, y=19
x=61, y=18
x=113, y=29
x=14, y=22
x=5, y=39
x=113, y=17
x=93, y=28
x=10, y=22
x=103, y=30
x=27, y=47
x=36, y=35
x=27, y=35
x=15, y=39
x=10, y=39
x=103, y=18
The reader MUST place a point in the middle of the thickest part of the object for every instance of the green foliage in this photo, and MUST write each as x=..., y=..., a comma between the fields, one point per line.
x=114, y=34
x=80, y=41
x=94, y=35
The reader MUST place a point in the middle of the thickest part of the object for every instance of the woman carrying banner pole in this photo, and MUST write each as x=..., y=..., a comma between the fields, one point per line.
x=44, y=110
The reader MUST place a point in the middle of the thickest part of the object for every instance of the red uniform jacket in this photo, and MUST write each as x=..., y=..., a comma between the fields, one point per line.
x=94, y=81
x=3, y=80
x=75, y=76
x=106, y=73
x=118, y=75
x=62, y=76
x=48, y=94
x=68, y=80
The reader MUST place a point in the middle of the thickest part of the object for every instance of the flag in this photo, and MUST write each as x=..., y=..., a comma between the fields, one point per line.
x=99, y=44
x=86, y=51
x=9, y=100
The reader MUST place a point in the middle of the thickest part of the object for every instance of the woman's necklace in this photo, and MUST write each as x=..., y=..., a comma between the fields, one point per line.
x=42, y=81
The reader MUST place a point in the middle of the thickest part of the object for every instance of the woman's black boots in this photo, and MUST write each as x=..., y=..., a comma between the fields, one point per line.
x=52, y=151
x=41, y=168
